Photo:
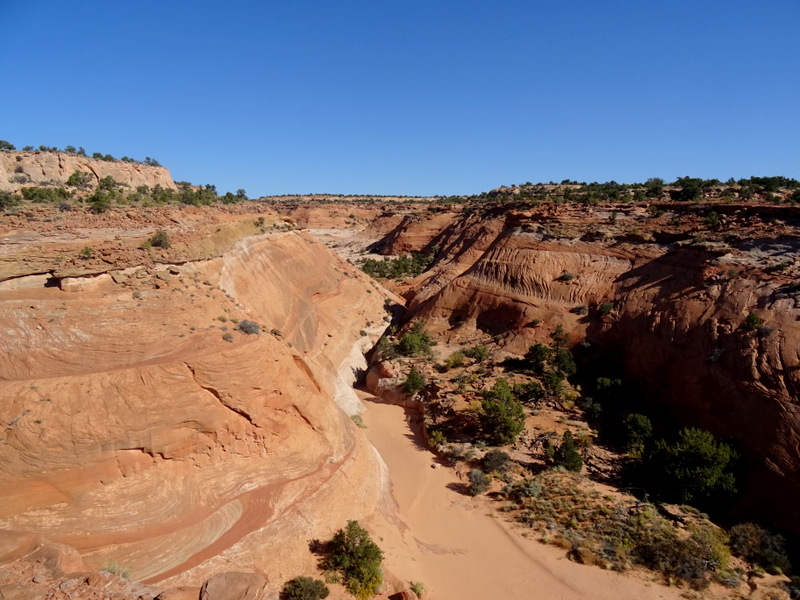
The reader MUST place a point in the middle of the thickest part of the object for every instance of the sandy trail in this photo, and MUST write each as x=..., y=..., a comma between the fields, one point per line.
x=452, y=544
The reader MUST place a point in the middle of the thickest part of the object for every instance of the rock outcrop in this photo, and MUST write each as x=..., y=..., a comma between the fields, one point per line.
x=668, y=300
x=24, y=169
x=142, y=426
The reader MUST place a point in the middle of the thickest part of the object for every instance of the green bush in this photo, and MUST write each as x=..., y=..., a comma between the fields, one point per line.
x=456, y=359
x=248, y=327
x=694, y=469
x=496, y=461
x=79, y=179
x=760, y=546
x=566, y=454
x=358, y=559
x=415, y=341
x=45, y=194
x=304, y=588
x=503, y=416
x=8, y=200
x=160, y=239
x=637, y=430
x=414, y=383
x=479, y=353
x=752, y=322
x=478, y=482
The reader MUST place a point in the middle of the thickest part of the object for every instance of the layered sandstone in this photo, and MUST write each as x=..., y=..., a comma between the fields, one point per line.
x=678, y=293
x=141, y=427
x=24, y=169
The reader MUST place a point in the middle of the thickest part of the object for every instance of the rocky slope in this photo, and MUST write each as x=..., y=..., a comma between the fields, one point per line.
x=21, y=169
x=676, y=289
x=140, y=427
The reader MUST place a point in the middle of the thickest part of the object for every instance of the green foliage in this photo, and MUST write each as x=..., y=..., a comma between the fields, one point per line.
x=563, y=362
x=566, y=454
x=760, y=546
x=560, y=337
x=654, y=187
x=503, y=416
x=538, y=357
x=414, y=383
x=5, y=146
x=8, y=200
x=712, y=219
x=478, y=482
x=418, y=588
x=402, y=266
x=529, y=392
x=694, y=469
x=160, y=239
x=496, y=461
x=80, y=179
x=637, y=430
x=456, y=359
x=100, y=201
x=86, y=252
x=605, y=308
x=479, y=353
x=106, y=183
x=304, y=588
x=45, y=194
x=752, y=322
x=358, y=559
x=415, y=341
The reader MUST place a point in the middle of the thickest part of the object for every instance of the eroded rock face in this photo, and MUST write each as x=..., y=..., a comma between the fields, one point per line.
x=141, y=426
x=676, y=315
x=22, y=169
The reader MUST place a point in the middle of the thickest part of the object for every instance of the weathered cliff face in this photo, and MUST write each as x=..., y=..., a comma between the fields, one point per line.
x=139, y=426
x=677, y=318
x=21, y=169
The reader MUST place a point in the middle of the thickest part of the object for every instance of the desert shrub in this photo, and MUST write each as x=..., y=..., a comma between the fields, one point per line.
x=496, y=461
x=107, y=183
x=8, y=200
x=502, y=417
x=400, y=266
x=87, y=252
x=228, y=337
x=693, y=469
x=752, y=322
x=760, y=546
x=538, y=357
x=160, y=239
x=566, y=276
x=591, y=408
x=456, y=359
x=248, y=327
x=358, y=559
x=637, y=431
x=566, y=454
x=605, y=308
x=414, y=383
x=529, y=392
x=100, y=201
x=478, y=482
x=304, y=588
x=478, y=353
x=418, y=588
x=415, y=341
x=45, y=194
x=79, y=179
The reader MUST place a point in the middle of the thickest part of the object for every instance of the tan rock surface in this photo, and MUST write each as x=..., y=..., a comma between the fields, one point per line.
x=24, y=169
x=134, y=432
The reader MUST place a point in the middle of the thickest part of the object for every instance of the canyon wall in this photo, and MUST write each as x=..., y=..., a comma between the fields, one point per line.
x=141, y=426
x=676, y=314
x=24, y=169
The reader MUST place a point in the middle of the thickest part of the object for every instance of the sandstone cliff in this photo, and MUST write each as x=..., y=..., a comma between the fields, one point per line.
x=22, y=169
x=140, y=426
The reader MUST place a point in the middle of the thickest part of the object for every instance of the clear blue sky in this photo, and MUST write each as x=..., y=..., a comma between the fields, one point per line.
x=410, y=96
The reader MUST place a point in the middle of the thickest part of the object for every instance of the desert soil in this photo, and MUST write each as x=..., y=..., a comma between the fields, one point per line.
x=456, y=545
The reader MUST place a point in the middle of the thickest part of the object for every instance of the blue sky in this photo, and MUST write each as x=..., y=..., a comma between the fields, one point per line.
x=410, y=97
